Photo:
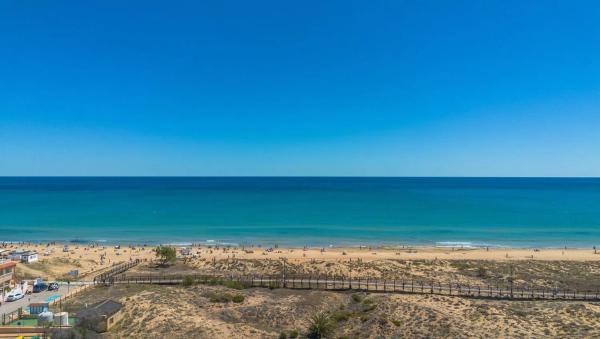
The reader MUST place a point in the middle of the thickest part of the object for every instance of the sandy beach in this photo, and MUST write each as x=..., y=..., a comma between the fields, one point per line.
x=265, y=313
x=56, y=260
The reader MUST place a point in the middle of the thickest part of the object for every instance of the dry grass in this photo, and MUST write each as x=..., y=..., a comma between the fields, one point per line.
x=179, y=312
x=583, y=275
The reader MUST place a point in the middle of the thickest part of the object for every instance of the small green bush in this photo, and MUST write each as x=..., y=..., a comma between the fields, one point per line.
x=188, y=281
x=369, y=307
x=233, y=284
x=238, y=298
x=321, y=326
x=220, y=297
x=397, y=323
x=237, y=285
x=166, y=255
x=214, y=282
x=357, y=297
x=294, y=334
x=482, y=272
x=340, y=316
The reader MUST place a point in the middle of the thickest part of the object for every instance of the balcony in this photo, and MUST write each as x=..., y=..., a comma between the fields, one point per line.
x=6, y=277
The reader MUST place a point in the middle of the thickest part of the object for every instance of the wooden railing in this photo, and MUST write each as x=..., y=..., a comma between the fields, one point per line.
x=9, y=317
x=105, y=277
x=368, y=285
x=6, y=276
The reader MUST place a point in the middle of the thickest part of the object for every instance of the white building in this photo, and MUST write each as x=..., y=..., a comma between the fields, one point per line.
x=16, y=255
x=24, y=256
x=29, y=257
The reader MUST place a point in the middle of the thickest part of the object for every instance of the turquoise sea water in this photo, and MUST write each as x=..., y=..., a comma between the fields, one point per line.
x=519, y=212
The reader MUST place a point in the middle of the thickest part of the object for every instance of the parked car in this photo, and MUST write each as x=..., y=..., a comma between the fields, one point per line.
x=53, y=286
x=15, y=295
x=37, y=288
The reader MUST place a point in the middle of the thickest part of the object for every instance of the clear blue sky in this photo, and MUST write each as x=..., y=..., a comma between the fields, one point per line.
x=417, y=88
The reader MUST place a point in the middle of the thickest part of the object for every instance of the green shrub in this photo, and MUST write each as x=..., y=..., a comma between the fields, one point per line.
x=238, y=298
x=220, y=297
x=233, y=284
x=340, y=316
x=396, y=322
x=369, y=307
x=227, y=283
x=320, y=326
x=482, y=272
x=294, y=334
x=166, y=255
x=188, y=281
x=214, y=281
x=357, y=297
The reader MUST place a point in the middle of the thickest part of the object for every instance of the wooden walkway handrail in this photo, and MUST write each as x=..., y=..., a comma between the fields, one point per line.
x=364, y=284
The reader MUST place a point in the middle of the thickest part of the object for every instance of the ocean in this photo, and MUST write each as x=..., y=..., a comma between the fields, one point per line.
x=303, y=211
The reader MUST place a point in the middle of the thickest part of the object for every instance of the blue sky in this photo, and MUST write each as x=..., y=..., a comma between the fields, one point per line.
x=394, y=88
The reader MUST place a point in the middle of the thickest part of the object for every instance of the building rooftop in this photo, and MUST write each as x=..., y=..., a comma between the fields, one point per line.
x=7, y=263
x=23, y=252
x=103, y=308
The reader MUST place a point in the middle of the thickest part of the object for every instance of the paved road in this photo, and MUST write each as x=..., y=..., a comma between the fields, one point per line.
x=45, y=296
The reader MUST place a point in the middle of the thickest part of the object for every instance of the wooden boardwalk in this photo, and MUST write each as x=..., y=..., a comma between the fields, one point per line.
x=116, y=269
x=337, y=283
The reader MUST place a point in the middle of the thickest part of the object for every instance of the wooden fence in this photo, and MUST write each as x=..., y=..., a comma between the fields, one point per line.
x=338, y=283
x=9, y=317
x=72, y=291
x=105, y=277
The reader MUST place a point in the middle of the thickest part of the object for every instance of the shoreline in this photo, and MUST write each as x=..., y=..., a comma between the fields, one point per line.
x=113, y=252
x=444, y=245
x=57, y=260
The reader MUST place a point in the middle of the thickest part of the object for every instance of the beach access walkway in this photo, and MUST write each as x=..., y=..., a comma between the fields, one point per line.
x=341, y=283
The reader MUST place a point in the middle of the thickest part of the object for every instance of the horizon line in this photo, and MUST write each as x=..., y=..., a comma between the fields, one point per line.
x=296, y=176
